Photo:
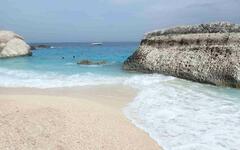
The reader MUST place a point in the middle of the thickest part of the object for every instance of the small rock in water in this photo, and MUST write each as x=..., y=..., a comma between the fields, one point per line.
x=35, y=47
x=89, y=62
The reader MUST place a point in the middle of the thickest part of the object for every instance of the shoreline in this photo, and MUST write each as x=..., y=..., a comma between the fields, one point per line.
x=88, y=117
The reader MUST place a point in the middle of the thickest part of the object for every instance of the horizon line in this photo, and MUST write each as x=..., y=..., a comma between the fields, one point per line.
x=85, y=42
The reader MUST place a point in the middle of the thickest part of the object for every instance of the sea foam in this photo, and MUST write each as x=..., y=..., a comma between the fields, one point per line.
x=182, y=115
x=24, y=78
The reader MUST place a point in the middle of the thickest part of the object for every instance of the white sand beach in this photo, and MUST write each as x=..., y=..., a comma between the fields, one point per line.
x=81, y=118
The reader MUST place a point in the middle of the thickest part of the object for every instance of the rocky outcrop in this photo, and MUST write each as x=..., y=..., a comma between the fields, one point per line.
x=35, y=47
x=12, y=45
x=206, y=53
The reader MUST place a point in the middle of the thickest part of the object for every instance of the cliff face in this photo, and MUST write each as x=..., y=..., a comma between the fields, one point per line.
x=12, y=45
x=207, y=53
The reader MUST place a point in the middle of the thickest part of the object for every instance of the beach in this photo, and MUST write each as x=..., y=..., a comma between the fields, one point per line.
x=52, y=103
x=81, y=118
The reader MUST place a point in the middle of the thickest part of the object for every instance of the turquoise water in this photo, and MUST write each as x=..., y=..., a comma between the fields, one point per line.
x=51, y=59
x=178, y=114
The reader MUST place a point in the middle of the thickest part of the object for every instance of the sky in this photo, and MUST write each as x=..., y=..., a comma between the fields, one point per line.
x=107, y=20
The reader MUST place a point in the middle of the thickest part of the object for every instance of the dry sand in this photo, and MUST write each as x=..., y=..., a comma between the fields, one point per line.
x=83, y=118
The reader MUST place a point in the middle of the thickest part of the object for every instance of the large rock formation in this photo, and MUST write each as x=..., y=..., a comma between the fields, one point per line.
x=207, y=53
x=12, y=45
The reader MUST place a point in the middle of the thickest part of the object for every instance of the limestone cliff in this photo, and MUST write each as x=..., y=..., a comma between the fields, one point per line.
x=207, y=53
x=12, y=45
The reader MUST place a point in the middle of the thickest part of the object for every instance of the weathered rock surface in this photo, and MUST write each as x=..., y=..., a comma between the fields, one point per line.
x=206, y=53
x=12, y=45
x=89, y=62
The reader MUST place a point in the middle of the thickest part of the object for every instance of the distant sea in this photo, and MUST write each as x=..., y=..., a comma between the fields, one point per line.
x=178, y=114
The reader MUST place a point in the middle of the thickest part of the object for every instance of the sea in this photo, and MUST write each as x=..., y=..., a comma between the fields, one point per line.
x=178, y=114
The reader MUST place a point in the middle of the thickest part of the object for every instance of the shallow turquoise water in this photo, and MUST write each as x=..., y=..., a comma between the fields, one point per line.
x=178, y=114
x=51, y=59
